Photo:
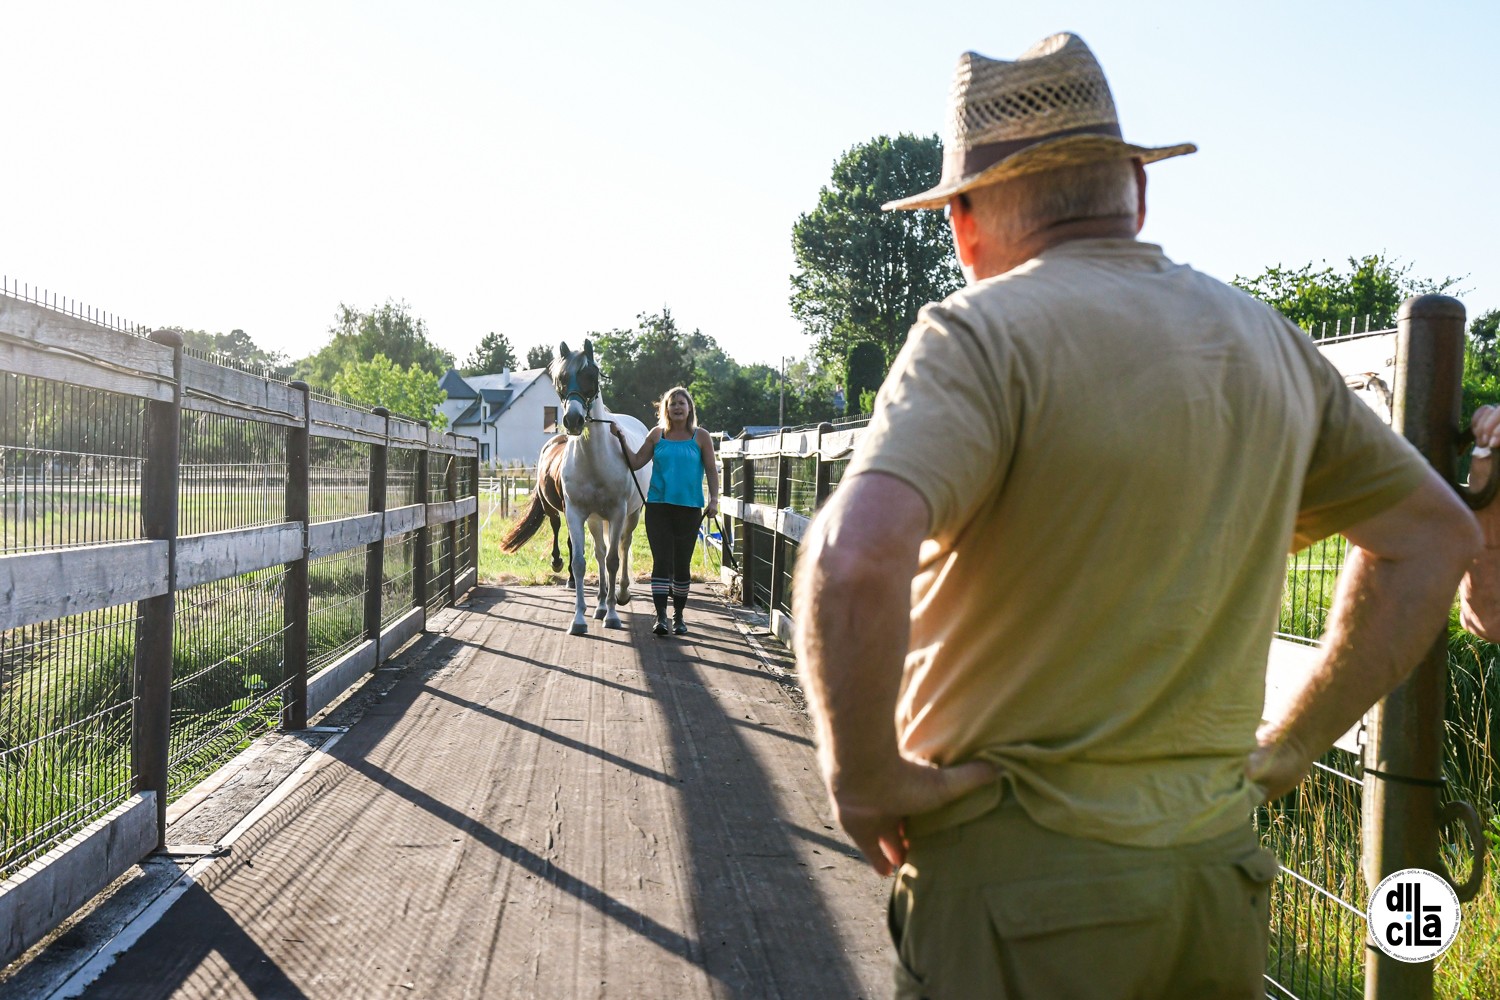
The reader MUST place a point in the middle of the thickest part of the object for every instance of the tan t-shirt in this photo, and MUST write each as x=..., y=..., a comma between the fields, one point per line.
x=1117, y=453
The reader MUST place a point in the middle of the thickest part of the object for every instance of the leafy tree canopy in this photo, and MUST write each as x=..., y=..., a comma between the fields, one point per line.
x=863, y=273
x=411, y=392
x=358, y=336
x=235, y=348
x=540, y=356
x=1320, y=299
x=493, y=354
x=643, y=362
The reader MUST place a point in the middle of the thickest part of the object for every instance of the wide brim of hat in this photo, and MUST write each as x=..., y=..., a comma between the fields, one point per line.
x=1050, y=154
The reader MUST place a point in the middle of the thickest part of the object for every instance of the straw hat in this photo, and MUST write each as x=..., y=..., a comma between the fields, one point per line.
x=1050, y=108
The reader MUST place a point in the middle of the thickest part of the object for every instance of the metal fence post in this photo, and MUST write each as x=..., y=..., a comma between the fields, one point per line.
x=1404, y=750
x=296, y=599
x=375, y=551
x=151, y=724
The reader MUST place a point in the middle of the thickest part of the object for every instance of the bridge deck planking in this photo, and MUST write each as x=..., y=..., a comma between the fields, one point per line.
x=542, y=815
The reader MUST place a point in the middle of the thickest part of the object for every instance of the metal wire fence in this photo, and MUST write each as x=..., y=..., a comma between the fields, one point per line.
x=336, y=607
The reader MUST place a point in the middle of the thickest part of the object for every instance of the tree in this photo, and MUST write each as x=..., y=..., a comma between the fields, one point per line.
x=644, y=362
x=865, y=371
x=235, y=349
x=540, y=356
x=411, y=392
x=390, y=329
x=493, y=354
x=863, y=273
x=1321, y=299
x=1482, y=363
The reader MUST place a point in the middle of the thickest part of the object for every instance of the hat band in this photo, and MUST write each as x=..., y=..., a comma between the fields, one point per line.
x=979, y=158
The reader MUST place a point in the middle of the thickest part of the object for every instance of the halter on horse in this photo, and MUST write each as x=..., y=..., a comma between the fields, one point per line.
x=598, y=487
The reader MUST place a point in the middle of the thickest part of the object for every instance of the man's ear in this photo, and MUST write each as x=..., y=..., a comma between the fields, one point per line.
x=965, y=234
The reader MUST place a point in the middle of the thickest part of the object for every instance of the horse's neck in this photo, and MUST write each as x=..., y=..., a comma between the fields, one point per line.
x=599, y=444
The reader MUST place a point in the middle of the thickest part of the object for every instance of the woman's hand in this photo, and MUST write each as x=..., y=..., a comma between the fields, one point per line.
x=1486, y=426
x=712, y=510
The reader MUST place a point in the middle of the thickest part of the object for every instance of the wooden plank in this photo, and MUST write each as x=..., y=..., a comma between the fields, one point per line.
x=21, y=358
x=263, y=398
x=441, y=513
x=47, y=328
x=1287, y=669
x=732, y=507
x=763, y=447
x=42, y=895
x=840, y=443
x=40, y=586
x=337, y=433
x=408, y=431
x=333, y=680
x=202, y=404
x=467, y=581
x=759, y=514
x=330, y=418
x=400, y=520
x=401, y=631
x=781, y=625
x=465, y=506
x=326, y=538
x=790, y=524
x=219, y=555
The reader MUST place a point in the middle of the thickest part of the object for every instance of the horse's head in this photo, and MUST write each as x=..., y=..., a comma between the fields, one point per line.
x=576, y=378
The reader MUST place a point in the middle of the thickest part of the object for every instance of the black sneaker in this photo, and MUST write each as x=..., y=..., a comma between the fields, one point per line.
x=678, y=625
x=660, y=628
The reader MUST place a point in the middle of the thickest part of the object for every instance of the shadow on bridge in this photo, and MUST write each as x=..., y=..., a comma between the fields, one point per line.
x=533, y=814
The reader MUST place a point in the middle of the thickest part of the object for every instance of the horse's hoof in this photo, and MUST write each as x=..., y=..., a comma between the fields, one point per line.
x=579, y=628
x=623, y=599
x=613, y=623
x=557, y=565
x=599, y=613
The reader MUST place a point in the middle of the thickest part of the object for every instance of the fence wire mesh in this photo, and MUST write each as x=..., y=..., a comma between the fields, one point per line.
x=336, y=607
x=338, y=479
x=228, y=671
x=398, y=593
x=67, y=695
x=232, y=473
x=70, y=465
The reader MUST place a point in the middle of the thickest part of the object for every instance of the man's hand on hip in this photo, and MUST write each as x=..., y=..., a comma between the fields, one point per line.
x=874, y=818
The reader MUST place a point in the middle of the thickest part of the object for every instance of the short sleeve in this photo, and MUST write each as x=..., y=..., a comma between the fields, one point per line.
x=1359, y=466
x=942, y=422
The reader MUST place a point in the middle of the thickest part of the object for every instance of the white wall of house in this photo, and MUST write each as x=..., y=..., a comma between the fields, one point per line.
x=517, y=434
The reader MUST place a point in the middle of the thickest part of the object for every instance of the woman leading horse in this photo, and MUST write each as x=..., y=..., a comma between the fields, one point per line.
x=682, y=454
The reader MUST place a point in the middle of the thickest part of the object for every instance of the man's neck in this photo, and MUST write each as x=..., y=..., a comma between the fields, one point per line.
x=1012, y=255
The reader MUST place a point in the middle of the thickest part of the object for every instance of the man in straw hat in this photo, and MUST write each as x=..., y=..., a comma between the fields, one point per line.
x=1034, y=618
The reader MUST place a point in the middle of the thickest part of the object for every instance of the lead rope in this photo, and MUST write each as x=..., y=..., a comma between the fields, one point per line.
x=637, y=482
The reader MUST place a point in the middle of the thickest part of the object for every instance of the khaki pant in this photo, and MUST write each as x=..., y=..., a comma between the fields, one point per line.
x=1001, y=909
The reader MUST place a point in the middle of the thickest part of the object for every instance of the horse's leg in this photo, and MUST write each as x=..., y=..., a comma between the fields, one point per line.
x=597, y=528
x=557, y=562
x=575, y=530
x=626, y=537
x=612, y=560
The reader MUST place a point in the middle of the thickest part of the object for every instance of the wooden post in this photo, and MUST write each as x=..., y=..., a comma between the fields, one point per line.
x=452, y=464
x=820, y=486
x=375, y=551
x=778, y=543
x=296, y=596
x=1404, y=748
x=747, y=533
x=151, y=725
x=419, y=544
x=474, y=520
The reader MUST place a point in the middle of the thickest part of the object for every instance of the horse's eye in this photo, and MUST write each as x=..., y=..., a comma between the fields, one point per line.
x=588, y=380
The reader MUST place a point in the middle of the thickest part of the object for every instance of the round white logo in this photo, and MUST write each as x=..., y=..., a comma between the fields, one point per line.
x=1414, y=915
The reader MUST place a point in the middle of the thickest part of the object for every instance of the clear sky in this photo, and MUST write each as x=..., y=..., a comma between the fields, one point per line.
x=549, y=169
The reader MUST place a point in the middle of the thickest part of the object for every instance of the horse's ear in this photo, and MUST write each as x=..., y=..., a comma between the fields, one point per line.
x=588, y=349
x=562, y=350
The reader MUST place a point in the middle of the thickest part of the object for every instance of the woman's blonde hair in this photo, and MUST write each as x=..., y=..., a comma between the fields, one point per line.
x=664, y=422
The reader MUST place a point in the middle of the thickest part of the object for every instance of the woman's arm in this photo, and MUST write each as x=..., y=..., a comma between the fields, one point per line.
x=711, y=469
x=637, y=459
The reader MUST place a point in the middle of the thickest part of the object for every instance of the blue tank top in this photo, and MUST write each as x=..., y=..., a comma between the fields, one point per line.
x=676, y=473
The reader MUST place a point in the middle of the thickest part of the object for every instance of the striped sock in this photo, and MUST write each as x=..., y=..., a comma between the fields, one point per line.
x=679, y=595
x=661, y=589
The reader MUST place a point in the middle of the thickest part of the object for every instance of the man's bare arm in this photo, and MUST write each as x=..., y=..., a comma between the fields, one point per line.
x=1392, y=598
x=852, y=608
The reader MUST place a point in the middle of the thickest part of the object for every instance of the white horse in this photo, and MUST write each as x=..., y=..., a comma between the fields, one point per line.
x=598, y=487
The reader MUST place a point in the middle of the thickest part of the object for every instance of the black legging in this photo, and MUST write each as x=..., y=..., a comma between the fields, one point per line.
x=672, y=531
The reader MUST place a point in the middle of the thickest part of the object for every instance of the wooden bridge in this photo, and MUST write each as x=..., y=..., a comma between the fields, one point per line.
x=531, y=814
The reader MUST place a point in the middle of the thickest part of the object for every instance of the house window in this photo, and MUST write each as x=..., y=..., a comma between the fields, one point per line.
x=549, y=419
x=484, y=451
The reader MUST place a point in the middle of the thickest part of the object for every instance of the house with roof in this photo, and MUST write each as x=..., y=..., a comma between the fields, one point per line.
x=511, y=414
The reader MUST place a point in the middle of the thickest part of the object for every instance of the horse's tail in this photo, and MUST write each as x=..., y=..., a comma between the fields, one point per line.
x=520, y=533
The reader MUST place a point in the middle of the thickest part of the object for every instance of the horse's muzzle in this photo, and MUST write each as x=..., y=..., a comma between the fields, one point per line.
x=573, y=420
